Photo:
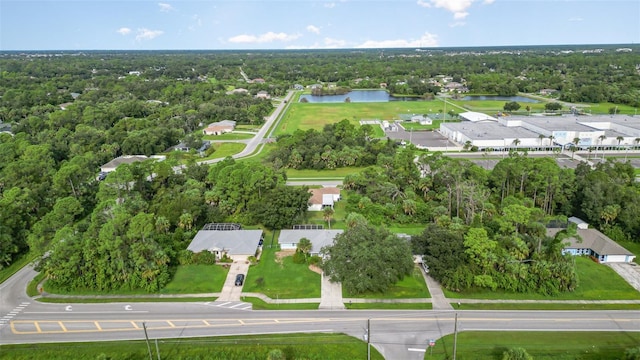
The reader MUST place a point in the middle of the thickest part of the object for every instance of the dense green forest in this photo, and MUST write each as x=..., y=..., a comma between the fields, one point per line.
x=130, y=232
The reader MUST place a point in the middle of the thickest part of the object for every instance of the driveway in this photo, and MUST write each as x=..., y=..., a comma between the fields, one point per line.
x=628, y=272
x=331, y=295
x=231, y=292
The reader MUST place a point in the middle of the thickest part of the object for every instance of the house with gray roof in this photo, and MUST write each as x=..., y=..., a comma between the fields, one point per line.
x=592, y=242
x=236, y=244
x=319, y=238
x=127, y=159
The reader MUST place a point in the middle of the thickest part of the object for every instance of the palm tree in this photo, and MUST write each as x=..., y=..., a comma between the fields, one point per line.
x=541, y=137
x=602, y=138
x=327, y=214
x=304, y=246
x=516, y=142
x=467, y=145
x=573, y=149
x=551, y=138
x=636, y=141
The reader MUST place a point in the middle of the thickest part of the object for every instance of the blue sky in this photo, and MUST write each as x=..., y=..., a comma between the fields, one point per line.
x=304, y=24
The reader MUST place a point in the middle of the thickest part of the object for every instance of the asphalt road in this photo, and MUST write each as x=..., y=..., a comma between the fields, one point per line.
x=396, y=334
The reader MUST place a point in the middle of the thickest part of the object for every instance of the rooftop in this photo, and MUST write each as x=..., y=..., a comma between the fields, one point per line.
x=234, y=242
x=491, y=131
x=592, y=239
x=318, y=238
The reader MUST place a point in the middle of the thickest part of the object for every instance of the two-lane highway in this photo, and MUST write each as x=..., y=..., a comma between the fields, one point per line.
x=396, y=334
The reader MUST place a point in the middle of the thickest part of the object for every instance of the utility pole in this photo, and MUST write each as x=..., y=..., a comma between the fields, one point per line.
x=146, y=336
x=455, y=336
x=368, y=339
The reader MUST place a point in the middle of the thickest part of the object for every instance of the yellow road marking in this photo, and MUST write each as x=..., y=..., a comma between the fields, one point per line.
x=241, y=322
x=37, y=326
x=98, y=325
x=170, y=324
x=64, y=329
x=134, y=324
x=206, y=322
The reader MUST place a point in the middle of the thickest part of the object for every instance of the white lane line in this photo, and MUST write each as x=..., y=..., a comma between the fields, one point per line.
x=236, y=305
x=225, y=303
x=86, y=312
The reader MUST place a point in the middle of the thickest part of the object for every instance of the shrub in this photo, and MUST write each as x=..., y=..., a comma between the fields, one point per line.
x=299, y=258
x=185, y=257
x=315, y=260
x=516, y=354
x=632, y=354
x=204, y=258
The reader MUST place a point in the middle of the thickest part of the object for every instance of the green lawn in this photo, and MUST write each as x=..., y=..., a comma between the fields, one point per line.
x=294, y=346
x=19, y=263
x=337, y=221
x=229, y=136
x=540, y=306
x=540, y=345
x=632, y=246
x=387, y=306
x=282, y=280
x=338, y=173
x=595, y=282
x=225, y=149
x=258, y=304
x=411, y=287
x=306, y=116
x=196, y=279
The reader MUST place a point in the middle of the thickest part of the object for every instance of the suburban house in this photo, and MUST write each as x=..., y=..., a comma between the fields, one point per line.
x=237, y=244
x=319, y=238
x=263, y=95
x=206, y=144
x=592, y=242
x=126, y=159
x=323, y=197
x=220, y=127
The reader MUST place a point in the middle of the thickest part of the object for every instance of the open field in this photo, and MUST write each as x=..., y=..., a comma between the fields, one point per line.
x=543, y=306
x=258, y=304
x=195, y=279
x=595, y=282
x=21, y=262
x=540, y=345
x=228, y=136
x=411, y=287
x=282, y=279
x=294, y=346
x=338, y=173
x=314, y=116
x=225, y=149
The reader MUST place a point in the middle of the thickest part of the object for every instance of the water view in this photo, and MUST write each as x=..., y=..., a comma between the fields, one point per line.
x=501, y=98
x=357, y=96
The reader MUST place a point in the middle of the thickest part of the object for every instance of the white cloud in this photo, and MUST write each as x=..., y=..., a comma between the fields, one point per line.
x=457, y=23
x=457, y=7
x=197, y=22
x=164, y=7
x=330, y=5
x=334, y=43
x=460, y=15
x=123, y=31
x=427, y=40
x=146, y=34
x=313, y=29
x=576, y=19
x=263, y=38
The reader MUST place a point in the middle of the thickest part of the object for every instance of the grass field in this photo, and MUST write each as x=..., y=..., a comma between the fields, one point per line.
x=225, y=149
x=258, y=304
x=22, y=261
x=386, y=306
x=411, y=287
x=306, y=116
x=595, y=282
x=294, y=346
x=338, y=173
x=196, y=279
x=540, y=345
x=282, y=279
x=540, y=306
x=229, y=136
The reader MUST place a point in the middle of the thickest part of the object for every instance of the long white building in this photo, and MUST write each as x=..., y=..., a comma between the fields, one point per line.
x=546, y=131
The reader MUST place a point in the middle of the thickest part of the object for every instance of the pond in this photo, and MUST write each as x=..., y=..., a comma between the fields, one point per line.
x=501, y=98
x=357, y=96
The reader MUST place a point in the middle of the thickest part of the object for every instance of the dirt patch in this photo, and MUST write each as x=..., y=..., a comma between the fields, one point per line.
x=315, y=269
x=283, y=254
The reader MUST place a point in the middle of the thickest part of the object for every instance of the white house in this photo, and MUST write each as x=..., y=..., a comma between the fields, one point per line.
x=236, y=244
x=289, y=239
x=126, y=159
x=323, y=197
x=220, y=127
x=592, y=242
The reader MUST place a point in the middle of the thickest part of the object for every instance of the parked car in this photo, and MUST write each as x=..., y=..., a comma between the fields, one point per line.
x=239, y=279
